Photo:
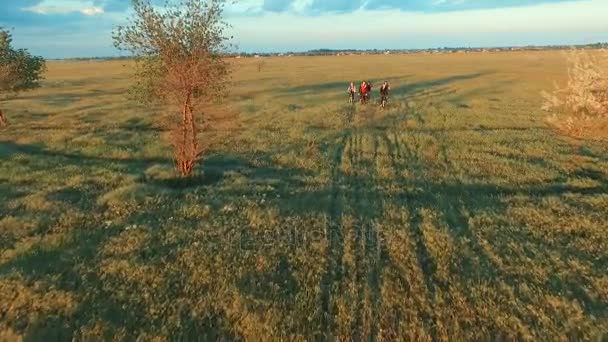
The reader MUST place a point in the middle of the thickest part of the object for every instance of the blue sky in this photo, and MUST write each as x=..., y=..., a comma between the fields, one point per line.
x=74, y=28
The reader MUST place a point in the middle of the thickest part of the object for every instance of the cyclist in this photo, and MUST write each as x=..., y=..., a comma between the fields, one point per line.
x=351, y=92
x=384, y=90
x=363, y=92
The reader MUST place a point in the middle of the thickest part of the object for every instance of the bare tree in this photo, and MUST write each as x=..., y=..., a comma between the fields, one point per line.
x=19, y=71
x=179, y=63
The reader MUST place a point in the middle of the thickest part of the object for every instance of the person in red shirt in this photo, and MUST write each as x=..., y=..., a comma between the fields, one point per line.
x=363, y=92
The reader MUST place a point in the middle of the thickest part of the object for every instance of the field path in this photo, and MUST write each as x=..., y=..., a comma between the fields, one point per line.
x=357, y=251
x=335, y=236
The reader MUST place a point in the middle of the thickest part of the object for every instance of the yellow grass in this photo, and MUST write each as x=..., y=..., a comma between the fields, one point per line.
x=455, y=214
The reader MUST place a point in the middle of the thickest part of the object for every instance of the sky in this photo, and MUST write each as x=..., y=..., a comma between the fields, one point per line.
x=83, y=28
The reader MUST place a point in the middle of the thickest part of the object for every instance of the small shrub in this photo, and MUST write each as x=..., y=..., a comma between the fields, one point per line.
x=19, y=71
x=585, y=96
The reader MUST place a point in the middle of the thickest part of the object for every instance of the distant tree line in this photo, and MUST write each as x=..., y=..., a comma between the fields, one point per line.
x=326, y=52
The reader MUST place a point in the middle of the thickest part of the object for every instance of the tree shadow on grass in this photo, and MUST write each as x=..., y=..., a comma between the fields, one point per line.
x=336, y=89
x=315, y=88
x=9, y=193
x=9, y=149
x=416, y=88
x=59, y=264
x=220, y=168
x=73, y=267
x=140, y=125
x=587, y=152
x=332, y=86
x=67, y=99
x=276, y=284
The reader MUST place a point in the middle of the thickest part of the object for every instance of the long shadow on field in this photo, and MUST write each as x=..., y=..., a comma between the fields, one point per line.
x=74, y=269
x=416, y=88
x=139, y=125
x=363, y=196
x=262, y=177
x=411, y=89
x=316, y=88
x=456, y=203
x=587, y=152
x=48, y=158
x=333, y=86
x=41, y=121
x=485, y=129
x=492, y=93
x=66, y=99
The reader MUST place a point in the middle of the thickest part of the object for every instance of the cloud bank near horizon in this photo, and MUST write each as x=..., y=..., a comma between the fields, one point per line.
x=67, y=28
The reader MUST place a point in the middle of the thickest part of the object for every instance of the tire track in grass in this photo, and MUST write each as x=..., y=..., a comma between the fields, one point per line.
x=367, y=206
x=368, y=266
x=374, y=264
x=365, y=214
x=360, y=269
x=335, y=245
x=442, y=141
x=378, y=250
x=412, y=203
x=370, y=256
x=359, y=224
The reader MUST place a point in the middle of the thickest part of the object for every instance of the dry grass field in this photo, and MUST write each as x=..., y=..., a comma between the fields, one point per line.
x=455, y=214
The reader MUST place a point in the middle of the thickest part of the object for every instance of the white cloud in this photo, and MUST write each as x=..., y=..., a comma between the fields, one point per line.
x=65, y=7
x=92, y=11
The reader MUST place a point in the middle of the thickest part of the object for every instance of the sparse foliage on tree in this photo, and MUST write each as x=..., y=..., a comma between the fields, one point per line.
x=179, y=63
x=585, y=96
x=19, y=71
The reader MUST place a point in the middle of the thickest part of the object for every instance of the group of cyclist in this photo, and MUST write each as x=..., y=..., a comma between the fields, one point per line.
x=365, y=92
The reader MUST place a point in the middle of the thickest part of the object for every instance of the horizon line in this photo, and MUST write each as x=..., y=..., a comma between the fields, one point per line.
x=562, y=46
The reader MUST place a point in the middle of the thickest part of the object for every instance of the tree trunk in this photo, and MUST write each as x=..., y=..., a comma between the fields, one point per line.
x=3, y=120
x=187, y=153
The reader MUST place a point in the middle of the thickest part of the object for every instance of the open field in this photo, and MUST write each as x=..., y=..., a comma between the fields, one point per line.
x=456, y=214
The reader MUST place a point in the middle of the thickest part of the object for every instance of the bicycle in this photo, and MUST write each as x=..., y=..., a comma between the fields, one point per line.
x=383, y=101
x=364, y=98
x=351, y=97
